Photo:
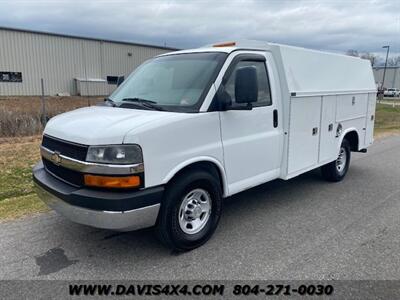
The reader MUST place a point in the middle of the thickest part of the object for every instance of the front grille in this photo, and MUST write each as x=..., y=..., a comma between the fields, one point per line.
x=70, y=176
x=68, y=149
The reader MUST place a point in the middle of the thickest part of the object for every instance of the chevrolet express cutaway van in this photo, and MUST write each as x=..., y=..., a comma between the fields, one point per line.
x=189, y=128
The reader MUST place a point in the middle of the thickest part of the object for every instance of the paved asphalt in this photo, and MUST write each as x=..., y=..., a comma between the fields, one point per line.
x=304, y=228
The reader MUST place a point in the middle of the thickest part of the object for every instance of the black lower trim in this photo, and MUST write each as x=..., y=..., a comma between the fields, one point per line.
x=96, y=199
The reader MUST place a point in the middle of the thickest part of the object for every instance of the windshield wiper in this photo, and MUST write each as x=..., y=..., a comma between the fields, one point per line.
x=110, y=102
x=140, y=100
x=144, y=102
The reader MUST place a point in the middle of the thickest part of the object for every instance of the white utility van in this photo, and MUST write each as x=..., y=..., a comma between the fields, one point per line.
x=189, y=128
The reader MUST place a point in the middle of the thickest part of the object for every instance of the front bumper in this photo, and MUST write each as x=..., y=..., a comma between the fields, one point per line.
x=119, y=210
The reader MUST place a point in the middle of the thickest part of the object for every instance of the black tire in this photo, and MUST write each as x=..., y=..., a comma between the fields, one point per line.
x=168, y=228
x=330, y=171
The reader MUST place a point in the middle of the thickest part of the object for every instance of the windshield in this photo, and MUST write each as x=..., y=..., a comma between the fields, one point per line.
x=174, y=82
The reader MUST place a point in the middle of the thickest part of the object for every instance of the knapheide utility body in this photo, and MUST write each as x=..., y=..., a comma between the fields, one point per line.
x=189, y=128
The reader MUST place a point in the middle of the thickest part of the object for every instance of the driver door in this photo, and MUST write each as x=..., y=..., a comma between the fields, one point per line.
x=252, y=139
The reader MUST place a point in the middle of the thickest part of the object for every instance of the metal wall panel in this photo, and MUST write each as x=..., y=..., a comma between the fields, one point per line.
x=59, y=59
x=392, y=77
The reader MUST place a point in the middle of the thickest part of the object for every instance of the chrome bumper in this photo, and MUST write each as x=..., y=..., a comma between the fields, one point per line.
x=115, y=220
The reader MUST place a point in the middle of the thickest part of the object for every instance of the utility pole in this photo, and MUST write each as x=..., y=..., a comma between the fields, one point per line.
x=384, y=70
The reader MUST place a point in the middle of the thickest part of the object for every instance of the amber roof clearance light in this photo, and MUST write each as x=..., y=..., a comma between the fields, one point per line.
x=227, y=44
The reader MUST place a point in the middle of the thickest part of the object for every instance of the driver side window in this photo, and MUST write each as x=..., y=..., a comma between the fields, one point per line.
x=264, y=93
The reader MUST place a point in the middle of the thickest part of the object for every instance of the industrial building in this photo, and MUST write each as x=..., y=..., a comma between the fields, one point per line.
x=392, y=76
x=68, y=64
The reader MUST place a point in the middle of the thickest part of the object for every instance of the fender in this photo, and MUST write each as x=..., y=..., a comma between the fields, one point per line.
x=346, y=131
x=193, y=160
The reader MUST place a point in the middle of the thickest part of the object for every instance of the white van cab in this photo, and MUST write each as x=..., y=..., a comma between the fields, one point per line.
x=189, y=128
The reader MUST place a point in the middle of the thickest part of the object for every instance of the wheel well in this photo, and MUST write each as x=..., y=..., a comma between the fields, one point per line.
x=352, y=138
x=206, y=166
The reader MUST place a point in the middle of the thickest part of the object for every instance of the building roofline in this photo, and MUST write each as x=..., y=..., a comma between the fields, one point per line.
x=85, y=38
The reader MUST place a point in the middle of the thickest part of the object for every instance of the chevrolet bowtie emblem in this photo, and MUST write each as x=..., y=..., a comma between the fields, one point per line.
x=56, y=158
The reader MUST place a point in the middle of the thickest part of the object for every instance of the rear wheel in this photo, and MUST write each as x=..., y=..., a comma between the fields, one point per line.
x=190, y=210
x=336, y=170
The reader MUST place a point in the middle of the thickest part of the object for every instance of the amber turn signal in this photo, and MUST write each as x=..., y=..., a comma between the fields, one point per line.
x=112, y=182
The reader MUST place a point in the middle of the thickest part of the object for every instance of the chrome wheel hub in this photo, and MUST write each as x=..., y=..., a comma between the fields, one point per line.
x=341, y=160
x=194, y=211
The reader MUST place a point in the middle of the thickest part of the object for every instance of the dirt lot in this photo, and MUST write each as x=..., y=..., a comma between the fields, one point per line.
x=19, y=154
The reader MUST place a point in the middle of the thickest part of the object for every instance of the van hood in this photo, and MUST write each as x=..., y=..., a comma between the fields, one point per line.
x=99, y=125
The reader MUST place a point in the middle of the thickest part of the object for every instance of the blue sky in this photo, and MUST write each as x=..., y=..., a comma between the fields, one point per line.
x=327, y=25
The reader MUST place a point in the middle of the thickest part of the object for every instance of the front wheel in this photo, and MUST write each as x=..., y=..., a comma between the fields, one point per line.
x=336, y=170
x=190, y=210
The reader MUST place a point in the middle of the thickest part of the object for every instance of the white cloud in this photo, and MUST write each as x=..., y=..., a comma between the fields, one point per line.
x=331, y=25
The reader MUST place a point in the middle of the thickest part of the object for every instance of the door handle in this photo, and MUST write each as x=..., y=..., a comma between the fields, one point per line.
x=275, y=118
x=315, y=131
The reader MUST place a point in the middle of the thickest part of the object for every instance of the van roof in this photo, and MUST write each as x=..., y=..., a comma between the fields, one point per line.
x=308, y=71
x=247, y=45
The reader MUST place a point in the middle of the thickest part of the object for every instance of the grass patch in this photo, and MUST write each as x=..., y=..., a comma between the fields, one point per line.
x=15, y=182
x=387, y=120
x=16, y=207
x=17, y=157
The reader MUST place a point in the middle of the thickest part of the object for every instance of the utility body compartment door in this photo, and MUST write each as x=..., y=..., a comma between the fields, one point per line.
x=351, y=106
x=304, y=130
x=328, y=140
x=370, y=120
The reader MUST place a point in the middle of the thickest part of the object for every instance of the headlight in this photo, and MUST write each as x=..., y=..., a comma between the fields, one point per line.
x=115, y=154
